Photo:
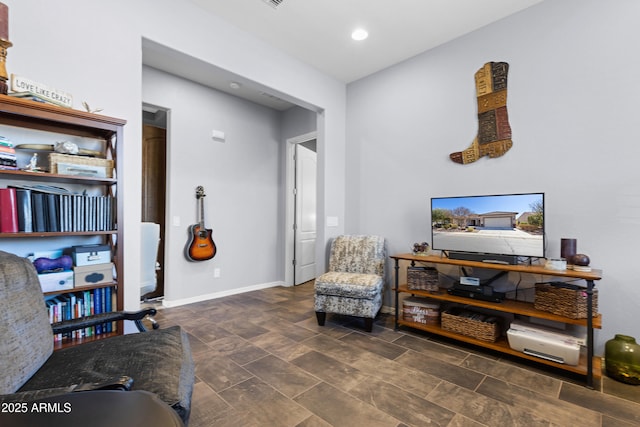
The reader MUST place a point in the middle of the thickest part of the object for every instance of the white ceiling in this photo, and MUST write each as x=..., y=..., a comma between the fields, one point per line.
x=318, y=32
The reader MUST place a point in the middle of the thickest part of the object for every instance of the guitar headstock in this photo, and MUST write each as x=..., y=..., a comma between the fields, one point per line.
x=200, y=192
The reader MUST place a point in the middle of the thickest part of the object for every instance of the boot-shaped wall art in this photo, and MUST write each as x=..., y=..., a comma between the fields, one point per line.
x=494, y=131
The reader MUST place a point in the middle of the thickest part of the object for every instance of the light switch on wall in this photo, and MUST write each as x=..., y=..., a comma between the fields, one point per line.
x=332, y=221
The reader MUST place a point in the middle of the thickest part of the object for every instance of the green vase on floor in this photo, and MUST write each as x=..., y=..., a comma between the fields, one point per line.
x=622, y=359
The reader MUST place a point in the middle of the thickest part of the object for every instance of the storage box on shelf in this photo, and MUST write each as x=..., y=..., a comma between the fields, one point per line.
x=424, y=278
x=471, y=324
x=87, y=166
x=564, y=300
x=421, y=310
x=86, y=207
x=588, y=365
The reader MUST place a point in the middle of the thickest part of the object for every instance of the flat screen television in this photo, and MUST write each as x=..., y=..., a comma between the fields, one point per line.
x=490, y=226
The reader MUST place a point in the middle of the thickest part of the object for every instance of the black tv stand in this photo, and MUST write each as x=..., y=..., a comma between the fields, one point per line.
x=480, y=257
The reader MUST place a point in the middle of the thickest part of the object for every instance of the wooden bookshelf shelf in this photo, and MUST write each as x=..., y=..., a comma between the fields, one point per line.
x=26, y=122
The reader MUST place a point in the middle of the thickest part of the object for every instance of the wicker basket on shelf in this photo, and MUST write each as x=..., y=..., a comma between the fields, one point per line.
x=422, y=278
x=56, y=158
x=471, y=324
x=564, y=300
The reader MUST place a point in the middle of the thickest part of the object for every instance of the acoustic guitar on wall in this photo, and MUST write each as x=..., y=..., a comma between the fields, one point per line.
x=200, y=246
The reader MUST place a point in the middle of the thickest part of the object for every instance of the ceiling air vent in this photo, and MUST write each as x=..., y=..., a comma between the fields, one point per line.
x=273, y=3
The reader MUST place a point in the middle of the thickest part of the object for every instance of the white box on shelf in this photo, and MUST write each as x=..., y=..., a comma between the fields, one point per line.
x=89, y=275
x=91, y=254
x=54, y=282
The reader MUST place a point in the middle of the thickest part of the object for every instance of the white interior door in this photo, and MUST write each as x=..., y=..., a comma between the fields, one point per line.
x=305, y=214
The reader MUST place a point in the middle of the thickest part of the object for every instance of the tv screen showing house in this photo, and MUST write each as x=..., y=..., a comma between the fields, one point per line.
x=507, y=224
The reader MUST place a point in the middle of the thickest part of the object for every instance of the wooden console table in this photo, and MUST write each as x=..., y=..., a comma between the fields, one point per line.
x=586, y=364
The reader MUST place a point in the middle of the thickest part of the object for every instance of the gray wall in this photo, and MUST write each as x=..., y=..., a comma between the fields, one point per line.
x=573, y=93
x=241, y=181
x=97, y=56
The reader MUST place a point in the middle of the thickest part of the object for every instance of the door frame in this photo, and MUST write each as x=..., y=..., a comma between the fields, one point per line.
x=290, y=203
x=163, y=123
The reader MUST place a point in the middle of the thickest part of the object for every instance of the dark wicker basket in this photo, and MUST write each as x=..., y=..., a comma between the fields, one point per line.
x=422, y=278
x=471, y=324
x=564, y=300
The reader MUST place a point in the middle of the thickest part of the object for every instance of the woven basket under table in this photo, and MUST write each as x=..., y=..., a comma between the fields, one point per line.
x=564, y=300
x=463, y=322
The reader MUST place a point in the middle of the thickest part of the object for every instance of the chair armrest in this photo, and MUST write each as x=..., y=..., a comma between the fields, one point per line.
x=123, y=383
x=97, y=319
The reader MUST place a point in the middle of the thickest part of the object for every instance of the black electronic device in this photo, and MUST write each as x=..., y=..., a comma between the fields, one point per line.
x=482, y=257
x=484, y=293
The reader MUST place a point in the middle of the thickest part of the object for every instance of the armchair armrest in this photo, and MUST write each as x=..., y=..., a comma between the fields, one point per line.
x=123, y=383
x=97, y=319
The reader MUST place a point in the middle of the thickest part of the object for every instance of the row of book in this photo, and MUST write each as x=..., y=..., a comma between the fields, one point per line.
x=34, y=209
x=8, y=159
x=80, y=304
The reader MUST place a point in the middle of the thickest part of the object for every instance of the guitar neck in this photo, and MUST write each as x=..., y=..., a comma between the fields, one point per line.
x=201, y=213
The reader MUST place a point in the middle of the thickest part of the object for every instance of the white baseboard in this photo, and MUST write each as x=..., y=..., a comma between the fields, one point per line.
x=215, y=295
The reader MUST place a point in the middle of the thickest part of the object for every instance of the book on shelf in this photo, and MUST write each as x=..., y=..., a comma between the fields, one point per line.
x=53, y=215
x=8, y=211
x=54, y=209
x=25, y=213
x=73, y=305
x=97, y=305
x=38, y=211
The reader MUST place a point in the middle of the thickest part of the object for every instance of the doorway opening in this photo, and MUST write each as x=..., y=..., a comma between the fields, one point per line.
x=300, y=250
x=154, y=184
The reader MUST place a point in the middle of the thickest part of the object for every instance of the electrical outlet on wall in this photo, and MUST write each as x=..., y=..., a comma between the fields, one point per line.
x=216, y=273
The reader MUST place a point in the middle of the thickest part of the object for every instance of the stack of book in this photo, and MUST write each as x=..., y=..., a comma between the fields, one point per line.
x=45, y=208
x=8, y=158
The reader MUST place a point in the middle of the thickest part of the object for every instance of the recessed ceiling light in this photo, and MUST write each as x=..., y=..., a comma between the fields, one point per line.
x=234, y=85
x=359, y=34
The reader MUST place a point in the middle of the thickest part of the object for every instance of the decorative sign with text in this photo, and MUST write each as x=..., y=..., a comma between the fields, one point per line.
x=37, y=90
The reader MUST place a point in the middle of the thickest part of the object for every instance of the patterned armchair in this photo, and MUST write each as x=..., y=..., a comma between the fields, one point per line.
x=354, y=283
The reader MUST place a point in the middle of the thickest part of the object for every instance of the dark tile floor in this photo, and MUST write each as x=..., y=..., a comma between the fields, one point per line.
x=262, y=360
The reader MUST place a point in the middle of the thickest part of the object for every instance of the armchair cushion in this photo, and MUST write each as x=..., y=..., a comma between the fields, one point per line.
x=353, y=285
x=358, y=254
x=158, y=361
